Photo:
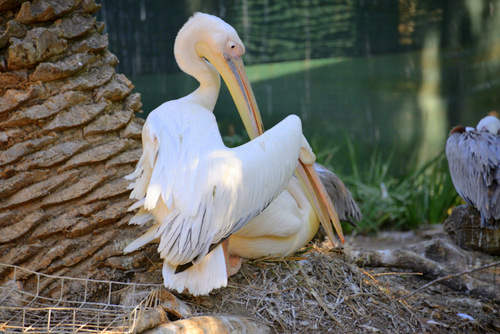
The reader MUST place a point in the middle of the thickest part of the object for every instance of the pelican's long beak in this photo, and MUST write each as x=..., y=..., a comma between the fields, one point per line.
x=233, y=72
x=320, y=201
x=316, y=192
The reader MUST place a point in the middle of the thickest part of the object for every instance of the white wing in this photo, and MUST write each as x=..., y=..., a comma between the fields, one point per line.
x=199, y=190
x=282, y=218
x=284, y=227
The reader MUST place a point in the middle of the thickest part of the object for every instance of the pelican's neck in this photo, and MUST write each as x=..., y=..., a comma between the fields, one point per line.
x=207, y=94
x=184, y=51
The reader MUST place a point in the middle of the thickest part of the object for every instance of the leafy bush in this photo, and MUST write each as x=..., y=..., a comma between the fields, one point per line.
x=422, y=196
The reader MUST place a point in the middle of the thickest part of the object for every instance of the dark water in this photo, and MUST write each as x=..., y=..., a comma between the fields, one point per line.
x=389, y=75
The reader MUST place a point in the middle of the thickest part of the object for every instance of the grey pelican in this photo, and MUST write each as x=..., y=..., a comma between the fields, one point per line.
x=196, y=190
x=474, y=159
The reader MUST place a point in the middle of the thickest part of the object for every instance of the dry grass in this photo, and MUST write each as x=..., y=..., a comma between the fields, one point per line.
x=321, y=293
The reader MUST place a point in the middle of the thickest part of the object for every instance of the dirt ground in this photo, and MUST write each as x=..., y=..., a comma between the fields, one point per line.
x=380, y=284
x=323, y=291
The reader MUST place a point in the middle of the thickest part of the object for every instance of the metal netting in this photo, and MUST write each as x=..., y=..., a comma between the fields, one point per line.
x=57, y=304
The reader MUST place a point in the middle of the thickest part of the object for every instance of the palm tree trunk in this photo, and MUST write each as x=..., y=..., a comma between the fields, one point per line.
x=68, y=136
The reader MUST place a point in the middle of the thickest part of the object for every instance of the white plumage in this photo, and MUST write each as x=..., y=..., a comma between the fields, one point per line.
x=197, y=190
x=285, y=226
x=290, y=222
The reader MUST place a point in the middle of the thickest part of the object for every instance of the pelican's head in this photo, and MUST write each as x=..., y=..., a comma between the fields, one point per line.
x=490, y=123
x=207, y=38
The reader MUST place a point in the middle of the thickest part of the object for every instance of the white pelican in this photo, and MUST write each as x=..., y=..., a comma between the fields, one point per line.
x=198, y=191
x=474, y=160
x=289, y=222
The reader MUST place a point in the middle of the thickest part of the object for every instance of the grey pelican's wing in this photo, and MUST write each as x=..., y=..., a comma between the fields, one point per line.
x=460, y=163
x=474, y=161
x=346, y=207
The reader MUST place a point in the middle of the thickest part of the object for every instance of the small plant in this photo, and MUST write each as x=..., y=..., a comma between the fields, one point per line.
x=369, y=187
x=422, y=196
x=426, y=193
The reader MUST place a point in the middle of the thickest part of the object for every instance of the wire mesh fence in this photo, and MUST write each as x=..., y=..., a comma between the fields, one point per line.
x=57, y=304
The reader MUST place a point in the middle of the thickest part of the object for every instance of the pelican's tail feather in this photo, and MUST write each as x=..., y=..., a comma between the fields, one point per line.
x=201, y=278
x=142, y=217
x=144, y=239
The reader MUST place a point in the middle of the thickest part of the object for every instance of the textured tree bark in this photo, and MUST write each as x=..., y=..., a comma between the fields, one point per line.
x=68, y=136
x=464, y=228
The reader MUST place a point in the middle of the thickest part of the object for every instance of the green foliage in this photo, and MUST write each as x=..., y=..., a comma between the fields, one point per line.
x=422, y=196
x=426, y=193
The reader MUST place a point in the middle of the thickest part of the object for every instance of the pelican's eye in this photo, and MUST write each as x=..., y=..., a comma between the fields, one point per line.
x=234, y=49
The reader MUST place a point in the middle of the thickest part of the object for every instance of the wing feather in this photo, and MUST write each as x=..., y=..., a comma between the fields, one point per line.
x=474, y=161
x=200, y=191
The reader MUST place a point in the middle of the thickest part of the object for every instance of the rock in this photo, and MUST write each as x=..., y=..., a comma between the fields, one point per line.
x=8, y=137
x=464, y=228
x=175, y=308
x=87, y=250
x=10, y=294
x=17, y=254
x=151, y=318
